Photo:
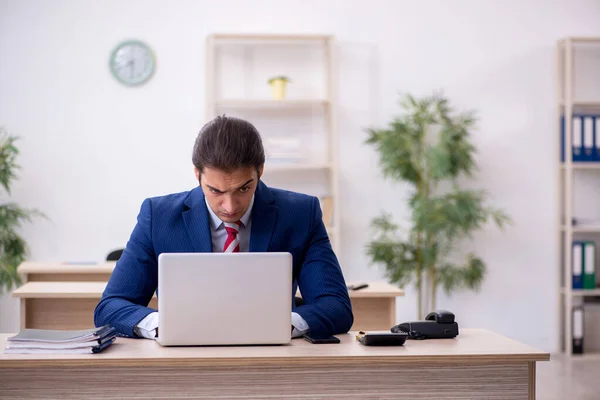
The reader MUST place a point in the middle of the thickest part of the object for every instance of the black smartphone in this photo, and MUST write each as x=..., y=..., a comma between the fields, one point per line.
x=358, y=286
x=330, y=339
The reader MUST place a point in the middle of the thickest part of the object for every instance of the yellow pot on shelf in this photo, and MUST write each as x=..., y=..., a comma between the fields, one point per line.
x=278, y=87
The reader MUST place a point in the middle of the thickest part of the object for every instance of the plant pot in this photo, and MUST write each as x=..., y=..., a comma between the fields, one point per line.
x=278, y=87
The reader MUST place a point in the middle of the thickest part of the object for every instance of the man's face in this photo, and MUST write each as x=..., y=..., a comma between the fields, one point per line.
x=229, y=193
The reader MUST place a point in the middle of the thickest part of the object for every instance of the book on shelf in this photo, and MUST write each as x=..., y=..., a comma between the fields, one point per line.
x=589, y=265
x=577, y=267
x=584, y=265
x=585, y=143
x=47, y=341
x=577, y=326
x=586, y=222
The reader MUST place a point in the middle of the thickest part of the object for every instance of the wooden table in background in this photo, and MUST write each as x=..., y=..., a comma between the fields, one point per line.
x=63, y=296
x=61, y=305
x=477, y=364
x=33, y=271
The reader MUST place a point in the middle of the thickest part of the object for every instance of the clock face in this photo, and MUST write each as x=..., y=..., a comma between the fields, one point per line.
x=132, y=63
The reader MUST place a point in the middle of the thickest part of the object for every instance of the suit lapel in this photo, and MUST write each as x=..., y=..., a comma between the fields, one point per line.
x=264, y=216
x=196, y=221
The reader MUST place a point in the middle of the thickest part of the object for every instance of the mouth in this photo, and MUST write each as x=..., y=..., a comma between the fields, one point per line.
x=228, y=215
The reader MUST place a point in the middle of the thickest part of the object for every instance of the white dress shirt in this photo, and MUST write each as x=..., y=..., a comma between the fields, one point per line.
x=147, y=327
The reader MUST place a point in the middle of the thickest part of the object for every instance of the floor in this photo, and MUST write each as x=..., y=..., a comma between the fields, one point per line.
x=561, y=379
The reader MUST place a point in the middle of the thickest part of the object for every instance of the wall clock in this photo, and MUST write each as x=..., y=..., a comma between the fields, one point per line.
x=132, y=62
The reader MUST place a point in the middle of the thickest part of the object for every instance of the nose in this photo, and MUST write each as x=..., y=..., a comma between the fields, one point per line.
x=228, y=204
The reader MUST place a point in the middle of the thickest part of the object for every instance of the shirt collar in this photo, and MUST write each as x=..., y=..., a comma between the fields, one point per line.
x=216, y=223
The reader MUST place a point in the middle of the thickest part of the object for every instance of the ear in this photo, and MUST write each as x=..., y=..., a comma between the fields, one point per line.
x=197, y=173
x=260, y=171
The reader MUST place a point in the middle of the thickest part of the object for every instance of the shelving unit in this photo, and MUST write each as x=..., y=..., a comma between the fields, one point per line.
x=575, y=95
x=237, y=69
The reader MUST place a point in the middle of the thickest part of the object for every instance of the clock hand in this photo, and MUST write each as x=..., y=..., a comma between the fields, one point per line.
x=132, y=69
x=127, y=64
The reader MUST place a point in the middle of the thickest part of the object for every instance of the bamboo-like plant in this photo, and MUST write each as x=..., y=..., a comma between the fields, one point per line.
x=13, y=248
x=429, y=148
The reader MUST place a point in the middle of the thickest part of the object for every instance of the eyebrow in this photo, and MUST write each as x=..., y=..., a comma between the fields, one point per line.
x=217, y=190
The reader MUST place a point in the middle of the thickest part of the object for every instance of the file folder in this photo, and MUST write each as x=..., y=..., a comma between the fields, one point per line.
x=597, y=138
x=577, y=140
x=577, y=267
x=578, y=329
x=589, y=147
x=577, y=136
x=47, y=341
x=562, y=139
x=589, y=265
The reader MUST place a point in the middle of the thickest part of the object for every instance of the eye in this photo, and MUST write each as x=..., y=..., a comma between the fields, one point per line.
x=215, y=191
x=245, y=189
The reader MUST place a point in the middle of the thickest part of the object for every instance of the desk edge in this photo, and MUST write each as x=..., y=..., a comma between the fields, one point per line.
x=99, y=361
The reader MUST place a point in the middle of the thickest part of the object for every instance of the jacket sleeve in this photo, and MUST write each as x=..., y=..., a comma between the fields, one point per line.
x=133, y=281
x=327, y=309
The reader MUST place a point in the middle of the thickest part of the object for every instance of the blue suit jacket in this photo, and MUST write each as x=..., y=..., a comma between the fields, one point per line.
x=281, y=221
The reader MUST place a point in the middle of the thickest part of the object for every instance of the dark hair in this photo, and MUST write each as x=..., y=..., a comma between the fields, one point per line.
x=228, y=143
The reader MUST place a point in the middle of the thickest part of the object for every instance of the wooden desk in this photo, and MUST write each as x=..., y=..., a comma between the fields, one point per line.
x=477, y=364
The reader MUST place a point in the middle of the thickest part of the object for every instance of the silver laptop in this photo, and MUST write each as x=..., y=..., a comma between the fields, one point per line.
x=224, y=298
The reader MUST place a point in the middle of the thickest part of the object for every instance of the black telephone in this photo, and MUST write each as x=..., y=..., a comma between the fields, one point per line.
x=439, y=324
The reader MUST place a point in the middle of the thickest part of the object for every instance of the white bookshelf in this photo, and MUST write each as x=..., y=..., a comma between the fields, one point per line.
x=578, y=93
x=237, y=68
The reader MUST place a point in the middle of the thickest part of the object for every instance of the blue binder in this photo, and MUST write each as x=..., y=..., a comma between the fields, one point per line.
x=577, y=129
x=589, y=138
x=577, y=264
x=596, y=138
x=585, y=138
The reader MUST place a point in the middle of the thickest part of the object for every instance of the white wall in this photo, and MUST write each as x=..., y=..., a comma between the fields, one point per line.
x=92, y=149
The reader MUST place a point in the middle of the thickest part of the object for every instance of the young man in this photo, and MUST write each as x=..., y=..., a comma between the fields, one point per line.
x=231, y=210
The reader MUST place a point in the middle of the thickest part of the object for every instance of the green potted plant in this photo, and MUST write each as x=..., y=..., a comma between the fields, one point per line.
x=13, y=248
x=428, y=147
x=279, y=86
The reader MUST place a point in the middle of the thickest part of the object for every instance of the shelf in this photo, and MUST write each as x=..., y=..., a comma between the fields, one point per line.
x=272, y=104
x=262, y=38
x=594, y=355
x=582, y=165
x=583, y=229
x=580, y=39
x=295, y=167
x=582, y=292
x=584, y=106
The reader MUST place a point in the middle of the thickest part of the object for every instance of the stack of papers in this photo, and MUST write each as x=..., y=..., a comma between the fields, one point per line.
x=44, y=341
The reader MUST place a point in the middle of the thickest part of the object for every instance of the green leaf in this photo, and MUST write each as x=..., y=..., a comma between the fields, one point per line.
x=13, y=248
x=469, y=276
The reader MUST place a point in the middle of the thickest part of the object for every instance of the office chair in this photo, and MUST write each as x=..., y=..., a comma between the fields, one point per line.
x=114, y=255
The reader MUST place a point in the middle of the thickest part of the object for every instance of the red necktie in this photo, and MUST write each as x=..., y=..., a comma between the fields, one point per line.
x=232, y=243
